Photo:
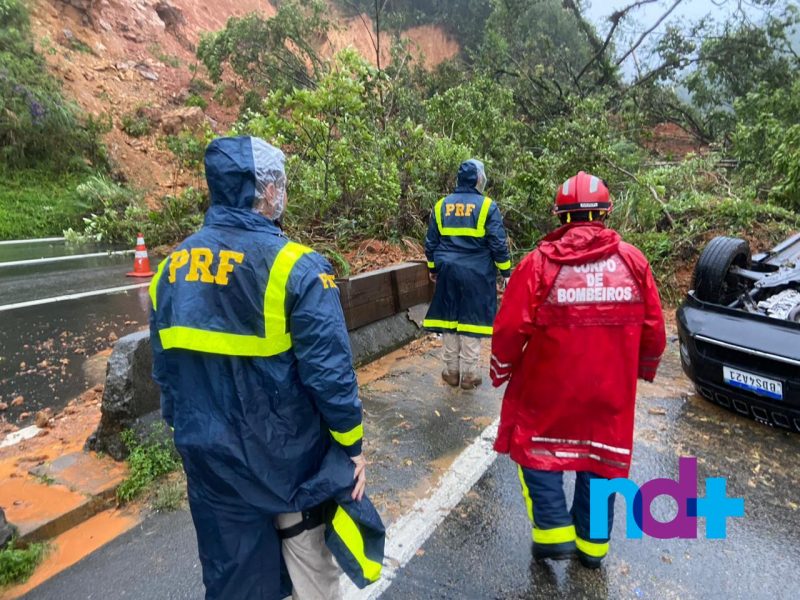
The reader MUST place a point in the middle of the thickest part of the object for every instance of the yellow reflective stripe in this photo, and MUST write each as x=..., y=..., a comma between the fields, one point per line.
x=460, y=327
x=218, y=342
x=526, y=493
x=348, y=532
x=487, y=204
x=438, y=212
x=276, y=338
x=483, y=329
x=503, y=266
x=153, y=289
x=478, y=231
x=275, y=295
x=348, y=438
x=438, y=323
x=431, y=265
x=557, y=535
x=592, y=548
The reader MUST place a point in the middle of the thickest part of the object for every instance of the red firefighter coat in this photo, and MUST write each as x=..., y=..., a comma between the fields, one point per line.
x=580, y=321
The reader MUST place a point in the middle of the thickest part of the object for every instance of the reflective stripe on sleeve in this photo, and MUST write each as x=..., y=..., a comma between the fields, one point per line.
x=503, y=266
x=501, y=365
x=597, y=550
x=348, y=532
x=348, y=438
x=431, y=265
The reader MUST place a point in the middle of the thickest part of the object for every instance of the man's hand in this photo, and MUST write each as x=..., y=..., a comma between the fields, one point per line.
x=360, y=476
x=432, y=276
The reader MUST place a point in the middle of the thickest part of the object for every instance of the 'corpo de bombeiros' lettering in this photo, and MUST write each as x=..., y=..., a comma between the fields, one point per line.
x=594, y=282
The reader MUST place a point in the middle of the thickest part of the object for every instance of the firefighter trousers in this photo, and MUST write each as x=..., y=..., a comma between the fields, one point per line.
x=556, y=531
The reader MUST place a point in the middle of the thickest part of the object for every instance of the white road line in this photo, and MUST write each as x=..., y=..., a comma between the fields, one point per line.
x=52, y=259
x=31, y=241
x=409, y=532
x=114, y=290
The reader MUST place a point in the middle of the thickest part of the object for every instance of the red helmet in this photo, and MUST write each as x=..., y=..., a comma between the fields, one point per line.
x=581, y=193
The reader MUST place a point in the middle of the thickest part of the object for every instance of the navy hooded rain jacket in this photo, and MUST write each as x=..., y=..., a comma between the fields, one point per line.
x=253, y=358
x=465, y=247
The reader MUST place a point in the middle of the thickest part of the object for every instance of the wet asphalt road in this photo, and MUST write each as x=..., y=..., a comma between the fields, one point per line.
x=45, y=350
x=482, y=550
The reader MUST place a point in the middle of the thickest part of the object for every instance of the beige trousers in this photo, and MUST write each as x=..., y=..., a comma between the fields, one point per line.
x=461, y=353
x=314, y=572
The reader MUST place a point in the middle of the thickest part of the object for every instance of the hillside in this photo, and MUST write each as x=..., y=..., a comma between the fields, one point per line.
x=116, y=58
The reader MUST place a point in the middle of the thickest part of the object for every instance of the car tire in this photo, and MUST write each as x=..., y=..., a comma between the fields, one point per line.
x=712, y=280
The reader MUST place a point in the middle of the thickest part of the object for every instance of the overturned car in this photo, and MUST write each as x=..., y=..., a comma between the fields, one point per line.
x=739, y=330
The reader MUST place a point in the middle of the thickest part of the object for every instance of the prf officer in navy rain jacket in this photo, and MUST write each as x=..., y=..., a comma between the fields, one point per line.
x=466, y=247
x=253, y=358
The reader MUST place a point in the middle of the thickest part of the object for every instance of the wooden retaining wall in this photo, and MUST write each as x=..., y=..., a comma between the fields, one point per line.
x=376, y=295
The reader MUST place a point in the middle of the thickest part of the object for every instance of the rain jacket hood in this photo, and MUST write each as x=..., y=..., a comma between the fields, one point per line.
x=579, y=243
x=469, y=173
x=239, y=168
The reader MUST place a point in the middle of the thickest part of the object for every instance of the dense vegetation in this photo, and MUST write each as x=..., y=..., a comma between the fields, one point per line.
x=46, y=146
x=538, y=93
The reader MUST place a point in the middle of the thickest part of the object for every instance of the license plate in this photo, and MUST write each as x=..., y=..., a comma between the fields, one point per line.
x=762, y=386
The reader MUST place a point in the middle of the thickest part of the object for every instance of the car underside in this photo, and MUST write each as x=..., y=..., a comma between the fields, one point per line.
x=739, y=330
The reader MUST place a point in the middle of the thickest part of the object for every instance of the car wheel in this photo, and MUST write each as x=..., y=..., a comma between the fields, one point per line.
x=712, y=280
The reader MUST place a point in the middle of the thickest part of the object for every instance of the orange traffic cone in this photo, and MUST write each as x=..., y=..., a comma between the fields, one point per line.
x=141, y=263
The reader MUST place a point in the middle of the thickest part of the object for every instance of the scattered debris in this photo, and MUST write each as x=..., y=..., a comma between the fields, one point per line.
x=18, y=401
x=44, y=418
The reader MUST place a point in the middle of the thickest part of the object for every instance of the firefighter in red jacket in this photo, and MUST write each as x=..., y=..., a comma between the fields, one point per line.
x=580, y=321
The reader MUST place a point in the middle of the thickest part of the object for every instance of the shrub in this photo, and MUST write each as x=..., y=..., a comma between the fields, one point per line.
x=196, y=100
x=147, y=462
x=34, y=113
x=136, y=124
x=18, y=564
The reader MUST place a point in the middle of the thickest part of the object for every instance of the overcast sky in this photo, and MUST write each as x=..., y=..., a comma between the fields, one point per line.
x=645, y=16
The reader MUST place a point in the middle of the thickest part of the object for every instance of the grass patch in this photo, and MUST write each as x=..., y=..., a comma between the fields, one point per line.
x=45, y=479
x=148, y=461
x=196, y=100
x=170, y=494
x=35, y=203
x=18, y=564
x=136, y=124
x=167, y=59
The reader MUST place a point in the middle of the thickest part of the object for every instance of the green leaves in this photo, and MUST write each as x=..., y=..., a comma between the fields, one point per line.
x=269, y=54
x=147, y=462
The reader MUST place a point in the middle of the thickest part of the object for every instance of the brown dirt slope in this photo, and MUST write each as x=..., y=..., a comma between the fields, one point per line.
x=118, y=56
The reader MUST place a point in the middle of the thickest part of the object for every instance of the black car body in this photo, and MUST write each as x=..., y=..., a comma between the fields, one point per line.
x=739, y=330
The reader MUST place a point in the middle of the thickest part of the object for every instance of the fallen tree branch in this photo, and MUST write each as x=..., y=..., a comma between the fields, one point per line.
x=652, y=190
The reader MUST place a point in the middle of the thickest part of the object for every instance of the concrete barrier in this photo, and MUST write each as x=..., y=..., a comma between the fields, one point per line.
x=131, y=400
